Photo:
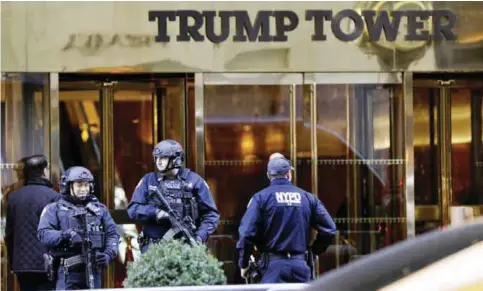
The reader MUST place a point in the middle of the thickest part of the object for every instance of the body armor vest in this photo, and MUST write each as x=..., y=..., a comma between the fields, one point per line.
x=76, y=219
x=179, y=195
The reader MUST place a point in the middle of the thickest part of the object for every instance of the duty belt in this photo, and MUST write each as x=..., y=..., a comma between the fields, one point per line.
x=286, y=256
x=72, y=261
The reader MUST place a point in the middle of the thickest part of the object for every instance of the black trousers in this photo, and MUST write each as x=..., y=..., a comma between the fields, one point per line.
x=34, y=282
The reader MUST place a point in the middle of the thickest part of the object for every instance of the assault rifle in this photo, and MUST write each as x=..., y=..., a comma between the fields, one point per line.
x=87, y=249
x=179, y=226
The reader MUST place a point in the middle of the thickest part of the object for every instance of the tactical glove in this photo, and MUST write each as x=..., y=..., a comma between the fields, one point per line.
x=101, y=260
x=72, y=236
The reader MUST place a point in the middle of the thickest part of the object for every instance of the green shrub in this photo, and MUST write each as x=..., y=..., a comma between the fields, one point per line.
x=173, y=263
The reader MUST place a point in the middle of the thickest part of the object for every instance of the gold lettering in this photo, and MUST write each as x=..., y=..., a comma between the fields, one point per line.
x=116, y=39
x=70, y=42
x=95, y=43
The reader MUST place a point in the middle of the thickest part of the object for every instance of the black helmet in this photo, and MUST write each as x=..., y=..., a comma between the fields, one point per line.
x=74, y=174
x=169, y=149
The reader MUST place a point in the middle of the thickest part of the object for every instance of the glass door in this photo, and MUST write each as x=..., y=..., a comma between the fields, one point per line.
x=358, y=160
x=25, y=131
x=110, y=123
x=146, y=109
x=246, y=118
x=344, y=134
x=448, y=149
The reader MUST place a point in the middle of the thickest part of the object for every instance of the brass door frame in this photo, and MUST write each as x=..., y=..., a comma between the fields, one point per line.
x=441, y=211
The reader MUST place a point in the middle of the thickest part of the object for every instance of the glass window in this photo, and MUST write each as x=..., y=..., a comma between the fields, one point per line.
x=80, y=128
x=23, y=96
x=360, y=163
x=247, y=118
x=146, y=111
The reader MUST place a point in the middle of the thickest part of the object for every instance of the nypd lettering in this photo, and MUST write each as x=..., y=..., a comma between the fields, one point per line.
x=173, y=185
x=288, y=198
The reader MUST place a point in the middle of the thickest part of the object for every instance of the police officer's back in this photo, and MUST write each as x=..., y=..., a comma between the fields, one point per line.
x=186, y=192
x=278, y=222
x=25, y=252
x=76, y=223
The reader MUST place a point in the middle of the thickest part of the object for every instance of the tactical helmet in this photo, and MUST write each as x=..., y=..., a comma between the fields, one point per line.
x=169, y=149
x=74, y=174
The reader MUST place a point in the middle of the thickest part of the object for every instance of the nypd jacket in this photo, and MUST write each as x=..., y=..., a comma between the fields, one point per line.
x=279, y=219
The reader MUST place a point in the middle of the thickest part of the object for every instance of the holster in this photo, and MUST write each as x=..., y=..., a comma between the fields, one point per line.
x=50, y=268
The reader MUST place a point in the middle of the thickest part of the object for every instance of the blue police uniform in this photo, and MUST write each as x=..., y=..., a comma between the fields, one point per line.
x=61, y=231
x=278, y=222
x=187, y=193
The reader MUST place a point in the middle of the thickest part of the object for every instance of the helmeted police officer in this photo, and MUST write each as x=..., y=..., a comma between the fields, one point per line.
x=185, y=191
x=278, y=222
x=66, y=226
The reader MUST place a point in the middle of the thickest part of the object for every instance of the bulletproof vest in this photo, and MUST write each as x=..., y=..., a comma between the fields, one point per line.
x=179, y=195
x=86, y=221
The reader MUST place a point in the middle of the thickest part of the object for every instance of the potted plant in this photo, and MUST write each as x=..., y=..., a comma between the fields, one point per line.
x=174, y=263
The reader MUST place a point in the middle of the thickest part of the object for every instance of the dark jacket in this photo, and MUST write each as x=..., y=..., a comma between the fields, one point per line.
x=24, y=207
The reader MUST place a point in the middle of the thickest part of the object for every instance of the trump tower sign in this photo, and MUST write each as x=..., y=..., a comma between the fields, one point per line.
x=200, y=25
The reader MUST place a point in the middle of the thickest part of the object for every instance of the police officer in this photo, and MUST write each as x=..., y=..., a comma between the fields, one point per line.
x=62, y=229
x=278, y=222
x=185, y=191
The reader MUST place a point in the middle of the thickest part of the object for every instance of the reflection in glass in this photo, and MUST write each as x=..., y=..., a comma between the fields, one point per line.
x=244, y=124
x=425, y=145
x=80, y=130
x=303, y=140
x=133, y=143
x=134, y=139
x=22, y=135
x=360, y=164
x=466, y=146
x=171, y=108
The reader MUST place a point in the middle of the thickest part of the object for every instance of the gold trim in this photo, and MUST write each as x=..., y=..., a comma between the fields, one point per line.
x=54, y=126
x=433, y=212
x=313, y=136
x=458, y=83
x=46, y=117
x=293, y=131
x=314, y=155
x=183, y=108
x=199, y=124
x=427, y=213
x=444, y=143
x=155, y=113
x=107, y=145
x=409, y=155
x=162, y=100
x=348, y=156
